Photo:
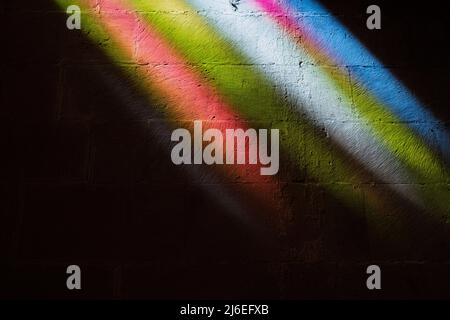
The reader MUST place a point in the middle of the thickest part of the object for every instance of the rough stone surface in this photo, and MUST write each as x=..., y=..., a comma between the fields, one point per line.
x=86, y=176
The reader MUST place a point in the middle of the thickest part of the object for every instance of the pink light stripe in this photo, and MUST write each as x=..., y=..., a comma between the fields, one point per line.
x=297, y=29
x=172, y=76
x=187, y=93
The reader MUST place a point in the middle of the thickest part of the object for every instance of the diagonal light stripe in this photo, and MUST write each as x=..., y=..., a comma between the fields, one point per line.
x=256, y=98
x=276, y=57
x=338, y=42
x=402, y=141
x=179, y=87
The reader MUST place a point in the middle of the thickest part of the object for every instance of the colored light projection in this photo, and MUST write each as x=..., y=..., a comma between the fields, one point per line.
x=177, y=85
x=341, y=48
x=341, y=126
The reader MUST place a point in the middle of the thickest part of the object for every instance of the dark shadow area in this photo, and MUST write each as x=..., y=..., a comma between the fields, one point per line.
x=87, y=179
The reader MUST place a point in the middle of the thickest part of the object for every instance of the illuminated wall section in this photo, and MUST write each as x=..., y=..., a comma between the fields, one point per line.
x=265, y=78
x=165, y=74
x=250, y=93
x=337, y=42
x=330, y=99
x=366, y=104
x=405, y=144
x=251, y=107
